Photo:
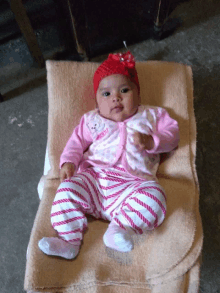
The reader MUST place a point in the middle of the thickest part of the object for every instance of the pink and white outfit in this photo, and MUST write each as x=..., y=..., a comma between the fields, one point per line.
x=115, y=181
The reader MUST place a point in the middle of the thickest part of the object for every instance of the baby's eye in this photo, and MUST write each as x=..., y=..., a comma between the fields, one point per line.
x=125, y=90
x=106, y=94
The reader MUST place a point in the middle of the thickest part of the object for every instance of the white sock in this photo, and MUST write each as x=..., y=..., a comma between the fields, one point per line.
x=57, y=246
x=117, y=238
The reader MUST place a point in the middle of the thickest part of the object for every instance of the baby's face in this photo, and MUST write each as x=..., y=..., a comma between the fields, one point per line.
x=117, y=98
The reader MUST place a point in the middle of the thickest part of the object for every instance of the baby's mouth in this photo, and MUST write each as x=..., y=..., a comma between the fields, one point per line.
x=118, y=109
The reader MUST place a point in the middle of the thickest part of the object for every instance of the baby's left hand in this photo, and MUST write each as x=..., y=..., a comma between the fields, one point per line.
x=143, y=141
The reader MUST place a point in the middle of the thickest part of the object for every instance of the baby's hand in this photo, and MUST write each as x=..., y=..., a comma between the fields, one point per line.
x=143, y=141
x=67, y=171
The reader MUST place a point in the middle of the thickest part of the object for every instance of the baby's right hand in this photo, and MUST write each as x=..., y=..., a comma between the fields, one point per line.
x=67, y=171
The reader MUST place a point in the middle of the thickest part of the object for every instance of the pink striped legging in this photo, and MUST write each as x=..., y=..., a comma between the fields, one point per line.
x=109, y=194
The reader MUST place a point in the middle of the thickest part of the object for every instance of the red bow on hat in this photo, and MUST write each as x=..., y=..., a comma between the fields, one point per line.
x=127, y=59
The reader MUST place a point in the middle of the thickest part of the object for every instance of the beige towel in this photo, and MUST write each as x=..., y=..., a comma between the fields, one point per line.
x=163, y=260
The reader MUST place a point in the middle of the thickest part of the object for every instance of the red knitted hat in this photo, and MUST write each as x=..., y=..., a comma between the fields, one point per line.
x=120, y=63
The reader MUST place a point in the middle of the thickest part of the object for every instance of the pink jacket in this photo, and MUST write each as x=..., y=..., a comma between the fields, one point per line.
x=98, y=141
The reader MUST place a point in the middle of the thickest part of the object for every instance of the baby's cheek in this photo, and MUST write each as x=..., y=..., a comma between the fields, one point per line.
x=104, y=108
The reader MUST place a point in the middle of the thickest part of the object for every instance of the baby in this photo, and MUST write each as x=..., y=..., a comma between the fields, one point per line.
x=108, y=166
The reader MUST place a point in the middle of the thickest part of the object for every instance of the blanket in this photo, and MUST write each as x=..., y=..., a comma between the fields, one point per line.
x=164, y=260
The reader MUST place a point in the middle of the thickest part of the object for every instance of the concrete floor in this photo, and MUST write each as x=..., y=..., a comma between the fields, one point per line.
x=23, y=135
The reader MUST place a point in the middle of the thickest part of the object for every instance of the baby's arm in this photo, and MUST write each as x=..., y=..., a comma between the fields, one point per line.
x=164, y=137
x=165, y=133
x=79, y=141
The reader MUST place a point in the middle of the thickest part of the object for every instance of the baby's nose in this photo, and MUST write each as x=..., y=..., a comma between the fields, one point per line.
x=117, y=96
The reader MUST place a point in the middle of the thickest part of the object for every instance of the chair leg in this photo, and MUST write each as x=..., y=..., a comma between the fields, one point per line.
x=163, y=25
x=79, y=26
x=23, y=21
x=1, y=98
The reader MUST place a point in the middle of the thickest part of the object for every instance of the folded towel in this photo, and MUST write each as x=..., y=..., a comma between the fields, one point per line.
x=163, y=260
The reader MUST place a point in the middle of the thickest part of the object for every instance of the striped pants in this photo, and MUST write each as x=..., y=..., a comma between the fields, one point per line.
x=109, y=194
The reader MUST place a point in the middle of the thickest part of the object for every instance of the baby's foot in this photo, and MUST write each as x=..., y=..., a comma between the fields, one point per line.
x=117, y=238
x=58, y=247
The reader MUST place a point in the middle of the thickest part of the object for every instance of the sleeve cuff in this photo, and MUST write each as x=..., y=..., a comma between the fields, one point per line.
x=62, y=163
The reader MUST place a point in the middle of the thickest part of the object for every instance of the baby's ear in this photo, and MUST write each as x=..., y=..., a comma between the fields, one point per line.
x=139, y=100
x=96, y=104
